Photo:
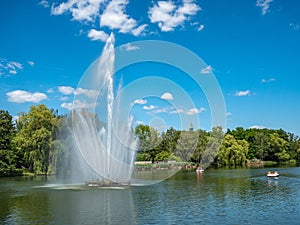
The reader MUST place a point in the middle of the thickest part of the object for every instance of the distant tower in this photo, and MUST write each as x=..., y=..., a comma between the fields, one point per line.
x=191, y=127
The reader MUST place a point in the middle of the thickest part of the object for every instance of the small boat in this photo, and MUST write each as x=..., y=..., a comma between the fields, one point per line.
x=199, y=170
x=272, y=174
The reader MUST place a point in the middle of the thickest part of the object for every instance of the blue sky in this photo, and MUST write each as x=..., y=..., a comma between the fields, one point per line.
x=252, y=47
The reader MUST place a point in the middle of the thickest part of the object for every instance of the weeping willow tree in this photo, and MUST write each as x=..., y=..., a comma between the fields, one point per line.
x=35, y=138
x=233, y=152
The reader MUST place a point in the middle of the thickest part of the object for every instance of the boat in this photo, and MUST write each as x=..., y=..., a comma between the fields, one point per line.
x=272, y=174
x=199, y=170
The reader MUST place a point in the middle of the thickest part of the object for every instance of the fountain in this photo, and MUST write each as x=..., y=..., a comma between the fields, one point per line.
x=104, y=141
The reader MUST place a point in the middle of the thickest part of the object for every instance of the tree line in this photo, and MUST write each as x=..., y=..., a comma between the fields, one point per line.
x=35, y=143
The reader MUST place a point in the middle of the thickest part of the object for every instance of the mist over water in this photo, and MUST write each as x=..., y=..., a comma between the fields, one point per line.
x=102, y=145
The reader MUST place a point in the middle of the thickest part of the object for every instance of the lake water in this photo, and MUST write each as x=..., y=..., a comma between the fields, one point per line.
x=218, y=196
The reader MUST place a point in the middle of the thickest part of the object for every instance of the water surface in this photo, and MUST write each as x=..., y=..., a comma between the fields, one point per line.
x=218, y=196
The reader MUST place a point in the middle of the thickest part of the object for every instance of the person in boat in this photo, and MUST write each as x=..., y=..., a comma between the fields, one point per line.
x=199, y=169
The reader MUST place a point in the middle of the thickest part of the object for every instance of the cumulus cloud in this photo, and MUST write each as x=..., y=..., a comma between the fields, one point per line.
x=140, y=101
x=257, y=127
x=138, y=122
x=20, y=96
x=77, y=104
x=167, y=96
x=194, y=111
x=172, y=110
x=64, y=98
x=44, y=3
x=264, y=5
x=81, y=10
x=88, y=92
x=50, y=90
x=243, y=93
x=115, y=17
x=168, y=15
x=206, y=70
x=66, y=90
x=112, y=14
x=130, y=47
x=98, y=35
x=150, y=107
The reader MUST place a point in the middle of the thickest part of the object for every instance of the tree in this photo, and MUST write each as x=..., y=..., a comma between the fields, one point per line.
x=214, y=142
x=186, y=145
x=34, y=139
x=149, y=142
x=7, y=156
x=201, y=146
x=278, y=147
x=233, y=152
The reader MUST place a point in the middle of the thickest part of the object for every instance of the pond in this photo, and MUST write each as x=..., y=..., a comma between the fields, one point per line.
x=217, y=196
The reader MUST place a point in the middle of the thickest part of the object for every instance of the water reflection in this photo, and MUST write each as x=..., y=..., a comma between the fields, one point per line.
x=214, y=197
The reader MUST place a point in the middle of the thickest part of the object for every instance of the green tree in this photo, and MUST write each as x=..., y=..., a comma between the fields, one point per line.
x=201, y=146
x=34, y=139
x=214, y=142
x=279, y=147
x=233, y=152
x=149, y=141
x=7, y=155
x=186, y=145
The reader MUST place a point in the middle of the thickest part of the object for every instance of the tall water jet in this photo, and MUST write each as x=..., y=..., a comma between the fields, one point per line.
x=104, y=141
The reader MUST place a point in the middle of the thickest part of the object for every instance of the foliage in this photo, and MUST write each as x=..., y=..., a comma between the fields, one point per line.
x=35, y=143
x=35, y=139
x=7, y=155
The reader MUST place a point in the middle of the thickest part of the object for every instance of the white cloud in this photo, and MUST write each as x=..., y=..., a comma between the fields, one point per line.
x=98, y=35
x=114, y=17
x=44, y=3
x=167, y=96
x=88, y=92
x=201, y=27
x=295, y=26
x=66, y=90
x=11, y=67
x=257, y=127
x=138, y=122
x=31, y=63
x=77, y=104
x=268, y=80
x=169, y=16
x=167, y=109
x=20, y=96
x=150, y=107
x=243, y=93
x=264, y=5
x=206, y=70
x=140, y=101
x=140, y=30
x=228, y=114
x=173, y=110
x=130, y=47
x=50, y=90
x=15, y=65
x=64, y=98
x=81, y=10
x=194, y=111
